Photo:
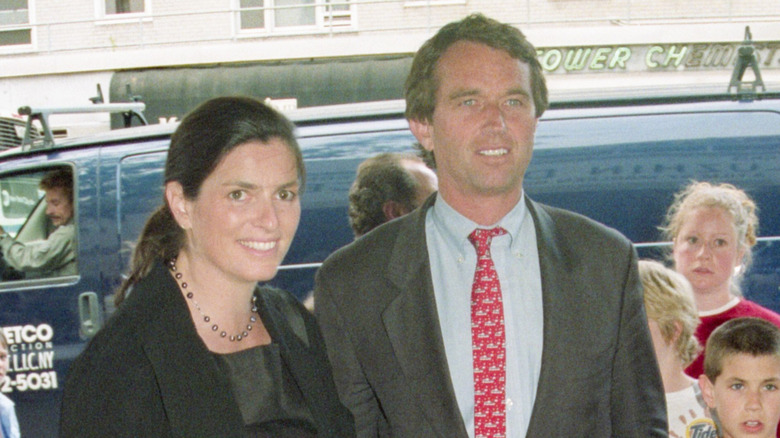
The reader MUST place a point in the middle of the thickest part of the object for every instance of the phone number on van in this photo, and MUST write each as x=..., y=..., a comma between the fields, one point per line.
x=30, y=381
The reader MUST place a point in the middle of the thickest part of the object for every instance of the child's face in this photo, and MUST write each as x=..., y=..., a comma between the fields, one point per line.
x=746, y=395
x=3, y=361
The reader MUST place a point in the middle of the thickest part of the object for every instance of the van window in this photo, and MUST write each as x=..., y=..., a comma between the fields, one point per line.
x=627, y=180
x=37, y=216
x=18, y=196
x=140, y=193
x=331, y=161
x=623, y=170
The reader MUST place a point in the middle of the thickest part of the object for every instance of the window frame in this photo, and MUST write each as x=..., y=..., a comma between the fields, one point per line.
x=425, y=3
x=36, y=218
x=102, y=17
x=30, y=25
x=322, y=24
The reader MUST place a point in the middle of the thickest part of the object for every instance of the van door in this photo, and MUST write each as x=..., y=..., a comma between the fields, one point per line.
x=40, y=308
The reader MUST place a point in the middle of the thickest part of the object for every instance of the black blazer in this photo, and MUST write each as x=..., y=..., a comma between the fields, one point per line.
x=148, y=374
x=599, y=378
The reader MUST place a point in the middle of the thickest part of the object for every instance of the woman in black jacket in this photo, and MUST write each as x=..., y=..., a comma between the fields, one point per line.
x=196, y=348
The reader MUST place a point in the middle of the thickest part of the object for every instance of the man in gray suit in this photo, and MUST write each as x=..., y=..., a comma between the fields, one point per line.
x=575, y=357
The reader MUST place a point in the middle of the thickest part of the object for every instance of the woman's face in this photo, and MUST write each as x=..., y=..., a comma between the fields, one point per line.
x=706, y=250
x=245, y=217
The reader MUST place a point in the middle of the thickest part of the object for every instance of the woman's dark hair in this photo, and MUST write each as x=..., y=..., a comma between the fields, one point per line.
x=204, y=137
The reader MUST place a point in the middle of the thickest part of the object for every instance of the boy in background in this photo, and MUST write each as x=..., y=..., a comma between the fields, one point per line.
x=741, y=380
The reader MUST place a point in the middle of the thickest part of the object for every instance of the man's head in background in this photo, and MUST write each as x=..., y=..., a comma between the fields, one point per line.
x=388, y=186
x=58, y=185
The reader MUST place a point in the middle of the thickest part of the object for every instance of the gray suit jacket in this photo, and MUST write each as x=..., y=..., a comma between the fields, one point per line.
x=374, y=301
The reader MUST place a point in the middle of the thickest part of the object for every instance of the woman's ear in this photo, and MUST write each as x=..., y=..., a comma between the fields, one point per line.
x=741, y=261
x=174, y=194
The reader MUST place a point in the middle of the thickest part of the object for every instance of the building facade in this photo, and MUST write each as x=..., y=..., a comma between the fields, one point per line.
x=173, y=54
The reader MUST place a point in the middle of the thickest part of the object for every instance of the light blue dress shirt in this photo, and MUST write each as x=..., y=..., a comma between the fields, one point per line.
x=8, y=422
x=453, y=262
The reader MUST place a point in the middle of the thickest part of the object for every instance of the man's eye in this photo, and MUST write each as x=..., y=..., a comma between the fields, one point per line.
x=237, y=195
x=287, y=195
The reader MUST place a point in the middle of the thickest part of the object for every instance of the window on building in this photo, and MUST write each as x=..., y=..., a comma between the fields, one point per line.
x=15, y=27
x=124, y=6
x=120, y=11
x=252, y=14
x=417, y=3
x=294, y=13
x=283, y=15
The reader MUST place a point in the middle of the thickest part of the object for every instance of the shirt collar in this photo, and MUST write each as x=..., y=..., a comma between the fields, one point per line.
x=456, y=227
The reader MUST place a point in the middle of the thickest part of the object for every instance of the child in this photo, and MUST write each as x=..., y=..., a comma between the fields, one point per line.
x=672, y=318
x=741, y=380
x=713, y=230
x=9, y=426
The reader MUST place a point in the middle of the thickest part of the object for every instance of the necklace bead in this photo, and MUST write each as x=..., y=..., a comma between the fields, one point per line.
x=215, y=328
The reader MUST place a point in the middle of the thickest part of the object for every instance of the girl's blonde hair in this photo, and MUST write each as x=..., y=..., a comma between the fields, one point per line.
x=669, y=302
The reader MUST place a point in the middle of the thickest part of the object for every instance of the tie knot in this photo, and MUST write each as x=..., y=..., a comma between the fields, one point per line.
x=481, y=237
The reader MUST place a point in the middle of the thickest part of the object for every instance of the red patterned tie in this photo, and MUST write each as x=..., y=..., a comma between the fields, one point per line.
x=488, y=341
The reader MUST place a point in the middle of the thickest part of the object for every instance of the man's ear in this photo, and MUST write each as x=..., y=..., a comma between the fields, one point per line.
x=174, y=194
x=423, y=131
x=393, y=209
x=707, y=390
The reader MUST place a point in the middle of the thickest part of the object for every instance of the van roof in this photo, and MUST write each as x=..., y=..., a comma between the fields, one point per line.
x=351, y=112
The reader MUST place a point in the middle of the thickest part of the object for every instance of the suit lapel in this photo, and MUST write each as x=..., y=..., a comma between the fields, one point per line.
x=412, y=324
x=556, y=267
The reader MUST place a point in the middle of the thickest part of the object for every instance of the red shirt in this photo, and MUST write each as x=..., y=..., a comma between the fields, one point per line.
x=744, y=308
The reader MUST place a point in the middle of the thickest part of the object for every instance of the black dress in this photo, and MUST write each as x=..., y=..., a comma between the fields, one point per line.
x=270, y=402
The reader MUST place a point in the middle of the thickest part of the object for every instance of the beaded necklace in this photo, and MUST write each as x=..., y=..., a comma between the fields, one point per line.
x=214, y=327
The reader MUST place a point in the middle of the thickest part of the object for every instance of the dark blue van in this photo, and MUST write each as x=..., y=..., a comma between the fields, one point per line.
x=616, y=161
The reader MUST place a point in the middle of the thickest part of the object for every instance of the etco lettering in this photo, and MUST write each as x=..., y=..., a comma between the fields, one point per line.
x=31, y=359
x=28, y=334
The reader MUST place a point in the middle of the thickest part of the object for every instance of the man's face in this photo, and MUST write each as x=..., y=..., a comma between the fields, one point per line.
x=483, y=124
x=746, y=395
x=58, y=206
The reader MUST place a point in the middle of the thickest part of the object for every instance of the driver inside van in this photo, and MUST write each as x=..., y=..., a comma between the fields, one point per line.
x=56, y=255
